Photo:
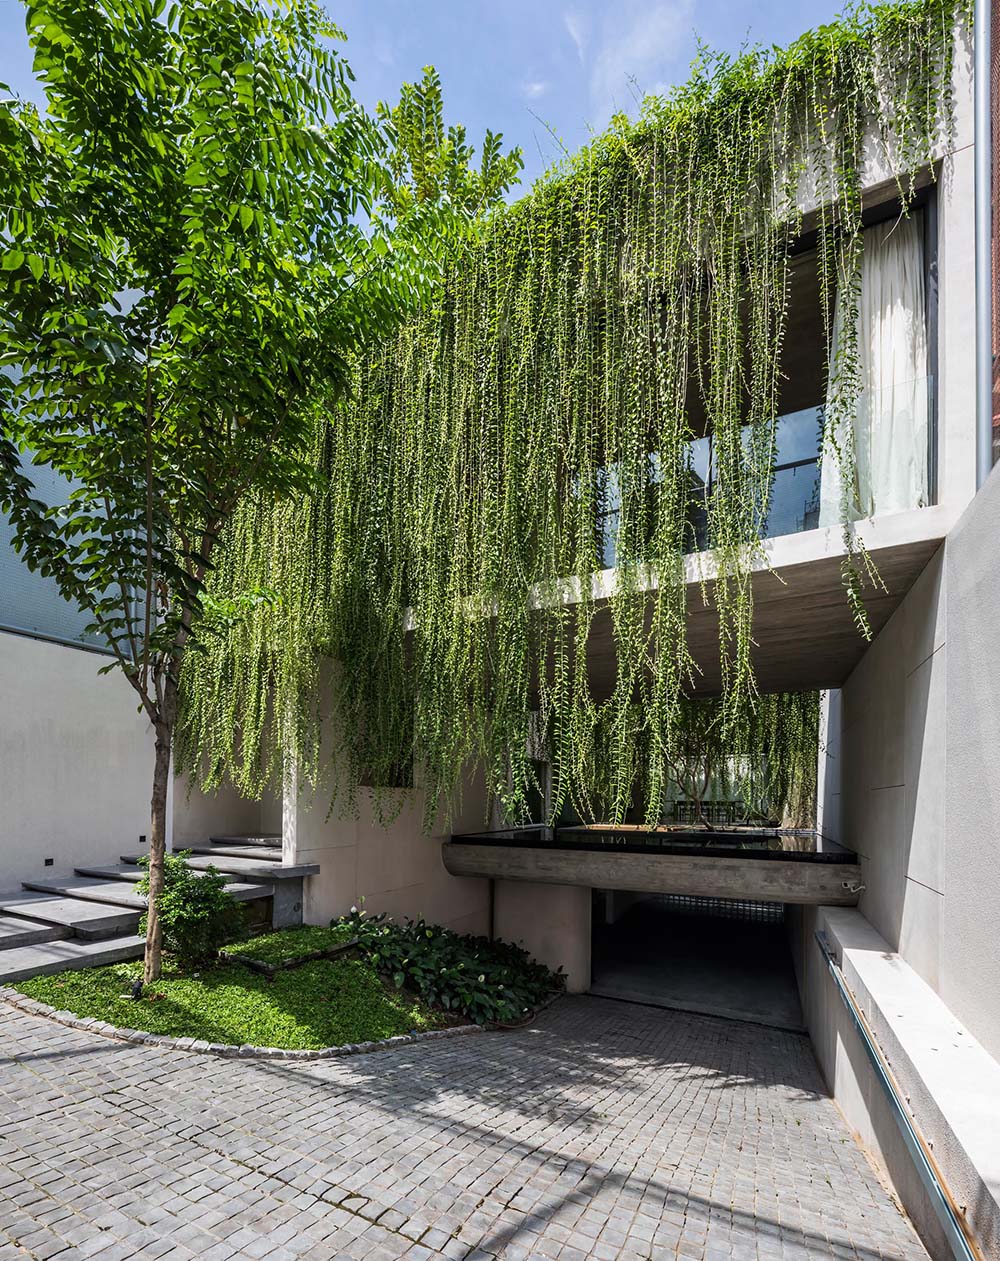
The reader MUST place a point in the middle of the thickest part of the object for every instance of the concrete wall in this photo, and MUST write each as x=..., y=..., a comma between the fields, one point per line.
x=892, y=763
x=949, y=1084
x=197, y=815
x=969, y=969
x=551, y=922
x=395, y=868
x=76, y=761
x=918, y=752
x=914, y=748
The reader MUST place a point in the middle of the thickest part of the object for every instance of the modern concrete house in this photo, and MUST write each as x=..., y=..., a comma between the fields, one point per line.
x=895, y=905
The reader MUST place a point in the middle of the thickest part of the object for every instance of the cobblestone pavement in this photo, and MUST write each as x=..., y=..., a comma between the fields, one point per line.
x=604, y=1131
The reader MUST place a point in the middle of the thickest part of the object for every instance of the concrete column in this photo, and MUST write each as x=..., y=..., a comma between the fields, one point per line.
x=828, y=771
x=551, y=922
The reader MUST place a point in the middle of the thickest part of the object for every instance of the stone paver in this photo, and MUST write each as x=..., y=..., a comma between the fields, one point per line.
x=605, y=1131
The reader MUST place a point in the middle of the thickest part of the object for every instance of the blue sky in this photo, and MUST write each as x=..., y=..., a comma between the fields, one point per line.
x=533, y=69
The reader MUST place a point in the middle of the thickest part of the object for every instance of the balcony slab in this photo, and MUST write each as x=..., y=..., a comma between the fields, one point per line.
x=776, y=880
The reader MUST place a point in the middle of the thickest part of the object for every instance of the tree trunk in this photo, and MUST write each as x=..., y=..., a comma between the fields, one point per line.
x=157, y=850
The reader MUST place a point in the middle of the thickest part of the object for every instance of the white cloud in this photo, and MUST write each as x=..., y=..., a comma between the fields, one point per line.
x=534, y=89
x=642, y=43
x=577, y=28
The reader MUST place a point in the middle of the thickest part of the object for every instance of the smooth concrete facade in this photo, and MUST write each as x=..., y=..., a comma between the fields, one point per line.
x=969, y=980
x=551, y=922
x=76, y=761
x=395, y=869
x=912, y=772
x=911, y=781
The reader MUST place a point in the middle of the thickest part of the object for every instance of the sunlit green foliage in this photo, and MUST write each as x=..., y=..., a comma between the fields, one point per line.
x=326, y=1003
x=197, y=236
x=448, y=567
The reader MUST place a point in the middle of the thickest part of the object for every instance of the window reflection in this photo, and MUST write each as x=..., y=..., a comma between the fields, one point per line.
x=795, y=491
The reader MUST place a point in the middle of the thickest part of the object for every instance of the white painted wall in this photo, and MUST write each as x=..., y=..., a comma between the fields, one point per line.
x=76, y=761
x=76, y=767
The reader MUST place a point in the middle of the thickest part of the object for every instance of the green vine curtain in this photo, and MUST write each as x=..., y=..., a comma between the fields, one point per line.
x=434, y=600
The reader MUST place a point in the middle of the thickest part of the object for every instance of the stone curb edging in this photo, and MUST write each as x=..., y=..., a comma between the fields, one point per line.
x=90, y=1024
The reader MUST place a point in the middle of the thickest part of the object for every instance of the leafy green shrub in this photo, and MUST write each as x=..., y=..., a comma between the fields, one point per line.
x=197, y=912
x=472, y=977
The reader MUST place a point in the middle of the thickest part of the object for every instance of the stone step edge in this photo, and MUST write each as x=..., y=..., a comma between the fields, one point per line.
x=265, y=870
x=90, y=1024
x=261, y=839
x=253, y=853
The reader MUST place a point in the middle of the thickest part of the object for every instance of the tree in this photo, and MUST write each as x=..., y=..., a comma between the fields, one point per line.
x=195, y=239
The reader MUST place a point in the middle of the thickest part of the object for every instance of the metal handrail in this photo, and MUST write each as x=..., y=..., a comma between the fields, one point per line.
x=953, y=1223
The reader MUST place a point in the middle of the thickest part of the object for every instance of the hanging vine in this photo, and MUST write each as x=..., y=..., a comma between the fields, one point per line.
x=439, y=599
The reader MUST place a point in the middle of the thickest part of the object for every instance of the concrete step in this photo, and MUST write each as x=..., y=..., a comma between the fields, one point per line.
x=270, y=840
x=25, y=932
x=121, y=877
x=256, y=853
x=245, y=867
x=112, y=892
x=22, y=962
x=86, y=919
x=130, y=872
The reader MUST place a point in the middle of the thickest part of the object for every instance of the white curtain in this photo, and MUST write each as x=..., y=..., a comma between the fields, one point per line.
x=890, y=422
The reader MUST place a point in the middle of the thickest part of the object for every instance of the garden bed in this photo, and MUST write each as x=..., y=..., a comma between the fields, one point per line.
x=322, y=1003
x=289, y=948
x=357, y=984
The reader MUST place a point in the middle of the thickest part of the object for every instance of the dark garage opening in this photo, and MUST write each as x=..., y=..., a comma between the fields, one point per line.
x=718, y=956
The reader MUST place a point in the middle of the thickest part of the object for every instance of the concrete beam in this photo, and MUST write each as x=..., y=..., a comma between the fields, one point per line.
x=756, y=880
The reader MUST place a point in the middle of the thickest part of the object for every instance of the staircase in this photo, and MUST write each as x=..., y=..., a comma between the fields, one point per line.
x=92, y=917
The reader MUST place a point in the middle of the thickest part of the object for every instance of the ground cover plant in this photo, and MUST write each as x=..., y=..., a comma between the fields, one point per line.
x=403, y=978
x=289, y=946
x=478, y=979
x=323, y=1003
x=549, y=386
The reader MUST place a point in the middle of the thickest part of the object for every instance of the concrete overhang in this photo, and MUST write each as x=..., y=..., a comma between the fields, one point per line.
x=709, y=875
x=804, y=631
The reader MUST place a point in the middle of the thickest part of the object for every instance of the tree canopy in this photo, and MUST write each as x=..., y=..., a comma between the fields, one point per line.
x=198, y=236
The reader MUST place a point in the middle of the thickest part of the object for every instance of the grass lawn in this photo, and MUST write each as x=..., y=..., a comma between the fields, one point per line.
x=325, y=1003
x=288, y=944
